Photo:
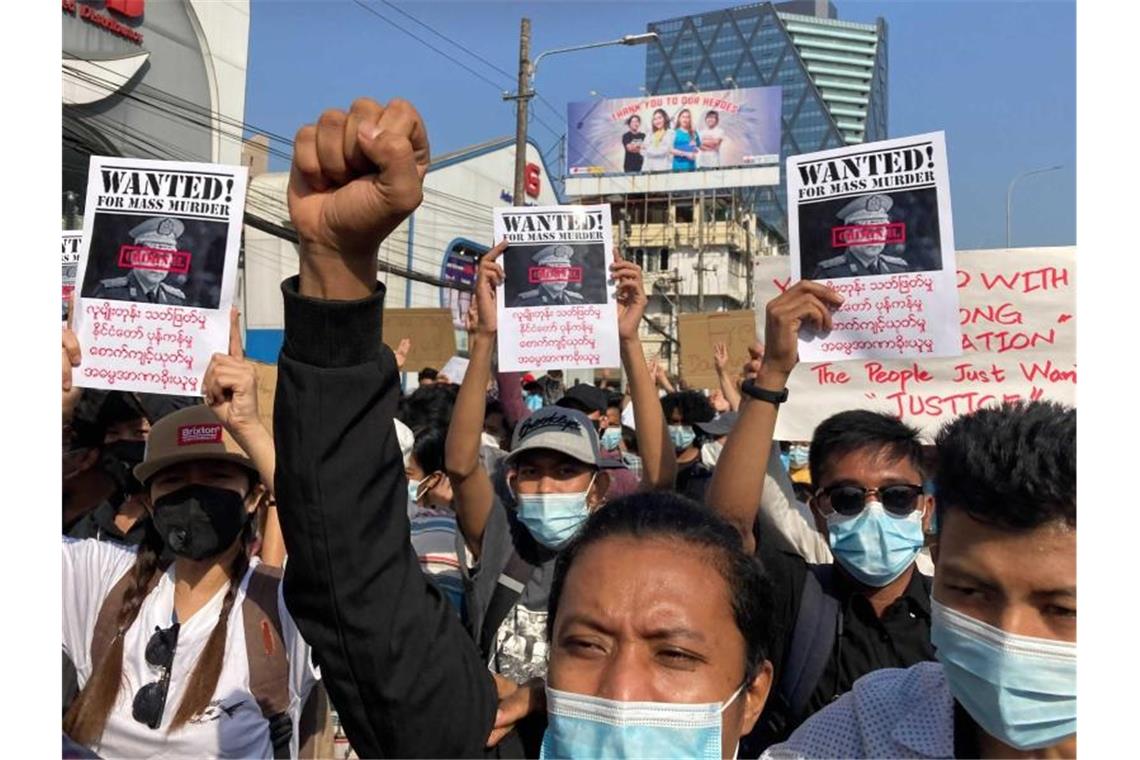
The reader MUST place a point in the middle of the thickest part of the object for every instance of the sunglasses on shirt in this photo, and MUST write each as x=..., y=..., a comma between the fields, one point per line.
x=847, y=500
x=150, y=701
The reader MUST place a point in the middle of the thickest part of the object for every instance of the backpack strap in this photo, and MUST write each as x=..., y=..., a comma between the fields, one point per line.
x=508, y=589
x=813, y=640
x=268, y=660
x=107, y=621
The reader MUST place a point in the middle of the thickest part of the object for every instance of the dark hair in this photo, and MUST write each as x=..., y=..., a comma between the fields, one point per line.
x=428, y=406
x=665, y=515
x=628, y=122
x=694, y=406
x=613, y=402
x=87, y=717
x=428, y=373
x=664, y=116
x=629, y=438
x=714, y=114
x=860, y=430
x=1014, y=466
x=428, y=448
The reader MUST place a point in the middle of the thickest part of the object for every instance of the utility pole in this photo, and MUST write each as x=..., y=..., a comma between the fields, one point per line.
x=522, y=102
x=701, y=254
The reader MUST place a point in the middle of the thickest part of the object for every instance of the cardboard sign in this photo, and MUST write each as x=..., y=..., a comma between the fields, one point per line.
x=430, y=331
x=1018, y=319
x=266, y=392
x=699, y=332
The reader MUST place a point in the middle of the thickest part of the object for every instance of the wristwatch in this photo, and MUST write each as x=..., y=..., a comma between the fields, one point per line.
x=772, y=397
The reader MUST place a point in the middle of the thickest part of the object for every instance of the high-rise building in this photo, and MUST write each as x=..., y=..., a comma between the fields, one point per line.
x=833, y=74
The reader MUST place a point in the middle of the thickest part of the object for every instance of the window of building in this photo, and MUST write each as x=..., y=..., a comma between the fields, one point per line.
x=684, y=213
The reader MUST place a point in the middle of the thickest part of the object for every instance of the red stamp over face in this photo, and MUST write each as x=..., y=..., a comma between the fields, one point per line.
x=188, y=435
x=538, y=275
x=868, y=234
x=155, y=259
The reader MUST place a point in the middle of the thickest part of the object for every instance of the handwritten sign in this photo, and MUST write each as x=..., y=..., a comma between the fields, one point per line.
x=430, y=330
x=1017, y=314
x=698, y=334
x=156, y=272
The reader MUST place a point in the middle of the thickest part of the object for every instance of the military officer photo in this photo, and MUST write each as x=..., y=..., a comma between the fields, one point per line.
x=147, y=285
x=554, y=292
x=863, y=260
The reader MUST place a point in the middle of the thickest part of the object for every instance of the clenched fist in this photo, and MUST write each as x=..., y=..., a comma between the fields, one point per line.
x=355, y=177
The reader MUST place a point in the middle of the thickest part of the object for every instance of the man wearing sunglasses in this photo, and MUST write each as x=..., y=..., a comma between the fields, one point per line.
x=868, y=608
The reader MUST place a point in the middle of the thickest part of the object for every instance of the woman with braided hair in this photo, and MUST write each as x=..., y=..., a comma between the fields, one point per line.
x=172, y=657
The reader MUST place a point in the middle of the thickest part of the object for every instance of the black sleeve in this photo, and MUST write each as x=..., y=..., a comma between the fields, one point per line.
x=405, y=677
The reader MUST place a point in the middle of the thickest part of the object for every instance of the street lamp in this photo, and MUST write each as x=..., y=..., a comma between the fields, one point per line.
x=527, y=73
x=1009, y=200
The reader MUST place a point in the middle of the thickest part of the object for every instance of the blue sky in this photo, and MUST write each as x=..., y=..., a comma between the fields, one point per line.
x=998, y=77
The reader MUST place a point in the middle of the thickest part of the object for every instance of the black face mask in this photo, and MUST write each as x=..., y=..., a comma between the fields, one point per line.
x=119, y=459
x=199, y=521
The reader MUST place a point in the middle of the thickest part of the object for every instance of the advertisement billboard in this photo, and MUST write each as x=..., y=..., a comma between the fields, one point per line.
x=687, y=133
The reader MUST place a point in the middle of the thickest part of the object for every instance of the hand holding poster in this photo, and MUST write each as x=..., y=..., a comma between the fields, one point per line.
x=873, y=222
x=156, y=275
x=70, y=263
x=555, y=307
x=1017, y=318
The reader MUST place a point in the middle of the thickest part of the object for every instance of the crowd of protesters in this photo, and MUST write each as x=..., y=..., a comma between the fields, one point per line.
x=517, y=567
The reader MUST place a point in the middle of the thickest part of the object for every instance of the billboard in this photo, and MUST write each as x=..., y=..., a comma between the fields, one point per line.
x=679, y=134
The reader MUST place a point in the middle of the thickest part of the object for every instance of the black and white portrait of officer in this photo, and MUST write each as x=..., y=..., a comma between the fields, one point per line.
x=147, y=285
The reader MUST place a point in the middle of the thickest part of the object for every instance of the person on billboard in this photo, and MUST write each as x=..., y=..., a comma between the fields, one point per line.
x=632, y=142
x=658, y=149
x=711, y=138
x=686, y=143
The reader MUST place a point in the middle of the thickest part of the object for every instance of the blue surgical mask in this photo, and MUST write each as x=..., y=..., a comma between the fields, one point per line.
x=682, y=436
x=580, y=726
x=874, y=546
x=554, y=518
x=610, y=439
x=414, y=490
x=533, y=402
x=798, y=457
x=1020, y=689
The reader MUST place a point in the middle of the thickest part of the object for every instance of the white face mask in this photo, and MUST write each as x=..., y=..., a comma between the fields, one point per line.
x=581, y=726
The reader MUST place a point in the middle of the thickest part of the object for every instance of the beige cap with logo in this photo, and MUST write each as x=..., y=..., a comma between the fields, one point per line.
x=191, y=433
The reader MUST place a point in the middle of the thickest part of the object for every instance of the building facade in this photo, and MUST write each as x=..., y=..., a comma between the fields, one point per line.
x=150, y=79
x=833, y=74
x=437, y=245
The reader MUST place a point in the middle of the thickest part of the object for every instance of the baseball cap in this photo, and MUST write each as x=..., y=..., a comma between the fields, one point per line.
x=719, y=425
x=190, y=434
x=585, y=398
x=556, y=428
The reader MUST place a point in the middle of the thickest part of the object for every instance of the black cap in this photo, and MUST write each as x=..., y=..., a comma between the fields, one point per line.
x=719, y=425
x=585, y=398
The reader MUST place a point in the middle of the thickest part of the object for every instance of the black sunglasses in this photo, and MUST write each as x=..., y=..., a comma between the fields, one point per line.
x=150, y=701
x=849, y=501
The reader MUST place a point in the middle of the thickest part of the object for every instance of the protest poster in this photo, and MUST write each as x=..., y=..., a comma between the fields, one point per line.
x=156, y=275
x=455, y=369
x=556, y=307
x=430, y=331
x=713, y=130
x=873, y=221
x=698, y=333
x=1019, y=334
x=70, y=264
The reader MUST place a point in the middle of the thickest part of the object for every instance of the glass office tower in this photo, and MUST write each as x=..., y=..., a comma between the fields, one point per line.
x=833, y=74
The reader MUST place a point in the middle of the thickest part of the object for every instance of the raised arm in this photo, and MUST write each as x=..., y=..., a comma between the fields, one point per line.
x=727, y=386
x=474, y=494
x=392, y=652
x=659, y=461
x=738, y=480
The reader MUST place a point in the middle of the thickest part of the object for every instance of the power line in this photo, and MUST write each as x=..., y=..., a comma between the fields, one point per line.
x=441, y=35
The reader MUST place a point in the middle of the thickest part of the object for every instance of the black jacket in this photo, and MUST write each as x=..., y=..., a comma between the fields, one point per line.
x=405, y=677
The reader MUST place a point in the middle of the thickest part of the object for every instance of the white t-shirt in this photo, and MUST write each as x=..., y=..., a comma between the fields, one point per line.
x=233, y=725
x=708, y=159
